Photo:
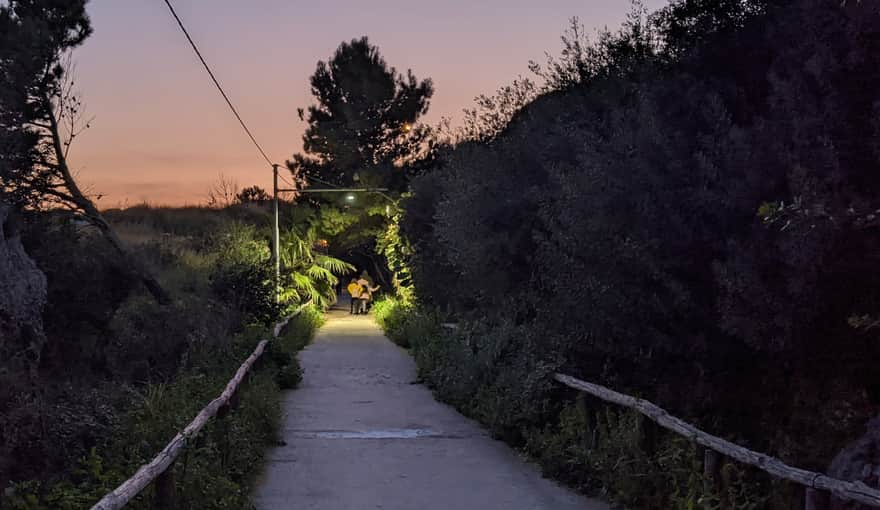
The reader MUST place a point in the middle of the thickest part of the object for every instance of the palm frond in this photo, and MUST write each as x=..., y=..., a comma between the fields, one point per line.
x=317, y=272
x=334, y=265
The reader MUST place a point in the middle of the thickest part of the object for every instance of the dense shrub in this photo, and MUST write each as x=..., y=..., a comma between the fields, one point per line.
x=217, y=468
x=391, y=313
x=118, y=366
x=87, y=283
x=249, y=288
x=673, y=223
x=294, y=337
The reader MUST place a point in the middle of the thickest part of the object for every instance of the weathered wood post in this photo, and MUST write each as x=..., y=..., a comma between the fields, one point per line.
x=166, y=490
x=712, y=462
x=223, y=427
x=222, y=434
x=650, y=436
x=160, y=470
x=817, y=500
x=596, y=417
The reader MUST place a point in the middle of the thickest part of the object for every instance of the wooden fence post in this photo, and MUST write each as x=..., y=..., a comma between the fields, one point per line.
x=817, y=500
x=222, y=434
x=855, y=491
x=160, y=470
x=166, y=491
x=711, y=470
x=649, y=436
x=595, y=418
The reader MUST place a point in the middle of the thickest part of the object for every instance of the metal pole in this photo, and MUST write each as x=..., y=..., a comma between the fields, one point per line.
x=276, y=252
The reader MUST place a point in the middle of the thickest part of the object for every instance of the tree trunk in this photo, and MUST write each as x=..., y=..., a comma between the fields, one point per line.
x=94, y=215
x=97, y=219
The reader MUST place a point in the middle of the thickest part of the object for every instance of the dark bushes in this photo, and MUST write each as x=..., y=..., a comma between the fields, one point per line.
x=675, y=224
x=216, y=470
x=117, y=366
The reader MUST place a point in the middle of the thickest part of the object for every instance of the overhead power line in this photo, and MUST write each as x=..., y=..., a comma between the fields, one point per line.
x=217, y=83
x=284, y=179
x=322, y=181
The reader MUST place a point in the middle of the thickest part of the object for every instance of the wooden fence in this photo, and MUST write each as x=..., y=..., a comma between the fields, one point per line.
x=818, y=485
x=158, y=469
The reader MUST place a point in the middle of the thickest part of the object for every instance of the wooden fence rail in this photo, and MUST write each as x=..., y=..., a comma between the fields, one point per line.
x=853, y=491
x=157, y=468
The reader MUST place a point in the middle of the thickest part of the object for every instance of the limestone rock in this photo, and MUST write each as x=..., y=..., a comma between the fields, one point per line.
x=22, y=297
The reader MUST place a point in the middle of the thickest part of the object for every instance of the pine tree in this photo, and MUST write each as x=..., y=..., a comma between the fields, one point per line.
x=363, y=128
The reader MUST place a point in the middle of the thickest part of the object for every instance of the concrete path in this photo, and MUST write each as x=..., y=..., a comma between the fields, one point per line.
x=361, y=435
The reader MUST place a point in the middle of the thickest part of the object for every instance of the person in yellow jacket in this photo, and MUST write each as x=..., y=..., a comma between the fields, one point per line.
x=354, y=290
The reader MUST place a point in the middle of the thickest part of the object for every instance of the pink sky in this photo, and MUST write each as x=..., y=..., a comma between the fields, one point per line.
x=163, y=134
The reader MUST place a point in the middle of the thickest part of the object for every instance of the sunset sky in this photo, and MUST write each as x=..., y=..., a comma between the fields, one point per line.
x=162, y=133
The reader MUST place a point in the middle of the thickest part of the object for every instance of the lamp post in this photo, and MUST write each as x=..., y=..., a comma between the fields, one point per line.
x=276, y=250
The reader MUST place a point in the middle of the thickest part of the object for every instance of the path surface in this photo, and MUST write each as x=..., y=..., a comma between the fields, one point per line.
x=360, y=435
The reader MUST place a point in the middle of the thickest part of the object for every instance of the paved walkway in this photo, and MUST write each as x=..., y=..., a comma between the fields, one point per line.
x=361, y=435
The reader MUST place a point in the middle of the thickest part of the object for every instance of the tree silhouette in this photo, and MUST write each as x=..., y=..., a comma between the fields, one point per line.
x=363, y=128
x=34, y=36
x=252, y=194
x=224, y=192
x=40, y=115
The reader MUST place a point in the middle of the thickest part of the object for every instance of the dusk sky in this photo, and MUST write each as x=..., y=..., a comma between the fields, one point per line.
x=163, y=134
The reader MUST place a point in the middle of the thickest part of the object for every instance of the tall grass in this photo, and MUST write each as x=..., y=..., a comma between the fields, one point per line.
x=218, y=467
x=133, y=373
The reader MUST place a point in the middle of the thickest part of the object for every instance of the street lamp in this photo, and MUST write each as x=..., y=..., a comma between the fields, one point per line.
x=349, y=197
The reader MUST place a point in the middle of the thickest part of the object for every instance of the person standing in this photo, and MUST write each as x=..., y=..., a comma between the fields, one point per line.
x=367, y=290
x=354, y=290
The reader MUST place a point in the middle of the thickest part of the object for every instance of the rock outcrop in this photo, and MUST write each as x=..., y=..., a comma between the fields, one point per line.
x=22, y=297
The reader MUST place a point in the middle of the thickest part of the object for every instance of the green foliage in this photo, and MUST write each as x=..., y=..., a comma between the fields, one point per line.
x=295, y=336
x=242, y=244
x=244, y=277
x=217, y=468
x=392, y=315
x=307, y=275
x=363, y=132
x=289, y=376
x=89, y=482
x=334, y=221
x=397, y=252
x=118, y=366
x=248, y=288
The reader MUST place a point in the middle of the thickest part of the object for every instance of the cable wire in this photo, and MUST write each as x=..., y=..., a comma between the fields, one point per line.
x=217, y=83
x=283, y=179
x=322, y=181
